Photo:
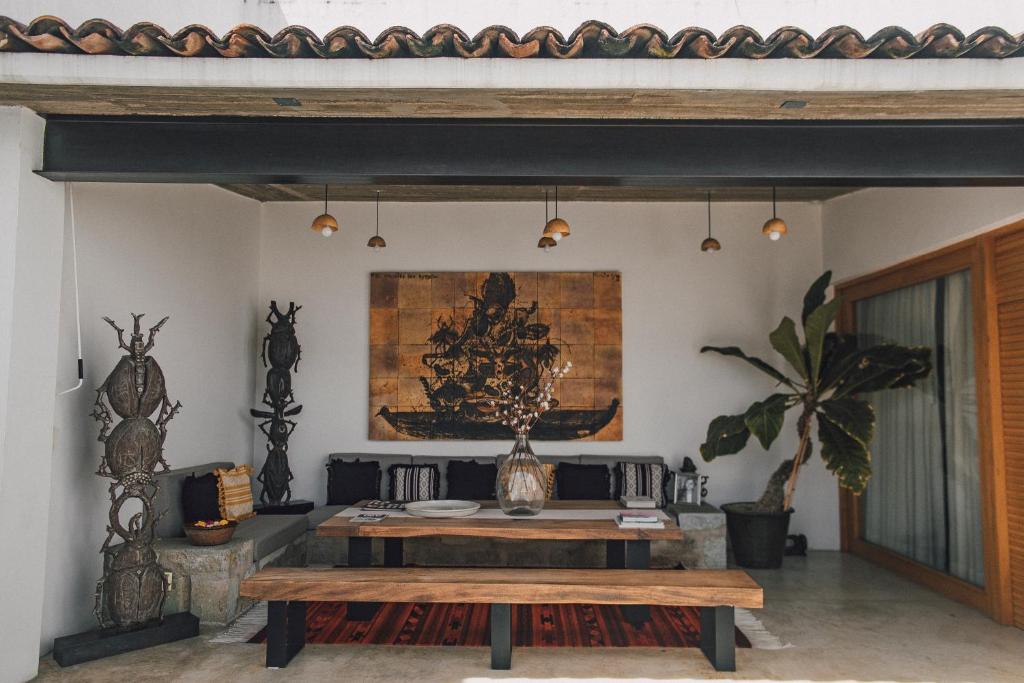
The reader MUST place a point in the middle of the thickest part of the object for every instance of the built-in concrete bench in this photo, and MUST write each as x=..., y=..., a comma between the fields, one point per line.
x=205, y=579
x=717, y=592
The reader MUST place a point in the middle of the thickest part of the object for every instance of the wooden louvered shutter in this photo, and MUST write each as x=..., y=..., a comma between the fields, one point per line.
x=1009, y=286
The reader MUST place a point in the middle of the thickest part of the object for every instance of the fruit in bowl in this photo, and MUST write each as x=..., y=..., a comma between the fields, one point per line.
x=210, y=531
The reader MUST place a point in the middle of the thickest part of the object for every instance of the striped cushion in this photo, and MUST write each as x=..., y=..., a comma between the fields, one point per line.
x=234, y=492
x=414, y=482
x=641, y=479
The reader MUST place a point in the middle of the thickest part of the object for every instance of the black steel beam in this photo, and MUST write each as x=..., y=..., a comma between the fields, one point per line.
x=482, y=152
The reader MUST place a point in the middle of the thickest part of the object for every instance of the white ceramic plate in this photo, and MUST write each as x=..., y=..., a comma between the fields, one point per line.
x=442, y=508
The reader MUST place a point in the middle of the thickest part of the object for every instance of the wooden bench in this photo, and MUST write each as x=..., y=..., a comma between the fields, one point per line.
x=717, y=592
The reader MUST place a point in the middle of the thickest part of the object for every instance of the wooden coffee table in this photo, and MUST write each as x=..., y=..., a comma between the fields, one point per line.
x=626, y=548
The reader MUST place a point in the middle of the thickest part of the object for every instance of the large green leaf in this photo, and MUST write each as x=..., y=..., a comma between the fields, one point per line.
x=838, y=355
x=855, y=416
x=764, y=418
x=785, y=341
x=815, y=329
x=727, y=434
x=815, y=296
x=888, y=366
x=845, y=455
x=756, y=362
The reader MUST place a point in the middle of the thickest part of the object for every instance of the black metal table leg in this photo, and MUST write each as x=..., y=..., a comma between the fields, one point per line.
x=638, y=556
x=393, y=552
x=501, y=636
x=286, y=632
x=615, y=554
x=718, y=637
x=360, y=554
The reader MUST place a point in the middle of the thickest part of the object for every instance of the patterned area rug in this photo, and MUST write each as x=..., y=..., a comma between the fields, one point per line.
x=401, y=623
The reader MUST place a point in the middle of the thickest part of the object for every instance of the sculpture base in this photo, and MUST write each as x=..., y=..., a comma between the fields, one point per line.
x=292, y=507
x=106, y=642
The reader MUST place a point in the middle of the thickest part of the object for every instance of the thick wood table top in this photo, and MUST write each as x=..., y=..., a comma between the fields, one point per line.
x=530, y=528
x=697, y=587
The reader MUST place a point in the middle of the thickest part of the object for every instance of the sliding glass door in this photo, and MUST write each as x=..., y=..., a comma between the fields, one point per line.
x=924, y=499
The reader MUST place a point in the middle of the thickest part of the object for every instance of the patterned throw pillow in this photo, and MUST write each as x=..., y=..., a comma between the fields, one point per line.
x=414, y=482
x=234, y=492
x=641, y=479
x=549, y=477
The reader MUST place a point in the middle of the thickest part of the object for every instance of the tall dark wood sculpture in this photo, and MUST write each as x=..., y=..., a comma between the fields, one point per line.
x=282, y=349
x=132, y=590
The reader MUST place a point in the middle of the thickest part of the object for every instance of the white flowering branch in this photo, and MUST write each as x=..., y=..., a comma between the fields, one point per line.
x=520, y=408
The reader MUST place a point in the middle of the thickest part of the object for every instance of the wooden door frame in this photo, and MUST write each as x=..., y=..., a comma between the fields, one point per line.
x=977, y=256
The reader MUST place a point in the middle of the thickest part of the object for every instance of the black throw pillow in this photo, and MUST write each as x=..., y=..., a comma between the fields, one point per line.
x=351, y=482
x=199, y=498
x=583, y=482
x=469, y=480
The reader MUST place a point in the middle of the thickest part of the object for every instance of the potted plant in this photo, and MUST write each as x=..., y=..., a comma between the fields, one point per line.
x=827, y=374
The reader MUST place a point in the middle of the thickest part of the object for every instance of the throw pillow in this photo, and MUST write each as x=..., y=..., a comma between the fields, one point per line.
x=199, y=500
x=549, y=478
x=583, y=482
x=641, y=479
x=234, y=492
x=469, y=480
x=414, y=482
x=351, y=482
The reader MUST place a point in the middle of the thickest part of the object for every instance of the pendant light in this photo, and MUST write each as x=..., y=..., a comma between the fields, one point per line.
x=377, y=242
x=325, y=223
x=556, y=228
x=710, y=245
x=546, y=243
x=774, y=228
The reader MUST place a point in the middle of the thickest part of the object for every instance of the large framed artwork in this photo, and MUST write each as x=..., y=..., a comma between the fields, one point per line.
x=441, y=344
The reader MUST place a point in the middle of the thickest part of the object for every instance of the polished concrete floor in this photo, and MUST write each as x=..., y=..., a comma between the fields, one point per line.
x=845, y=619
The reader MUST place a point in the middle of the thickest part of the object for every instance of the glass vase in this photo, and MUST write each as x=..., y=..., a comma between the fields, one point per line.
x=521, y=484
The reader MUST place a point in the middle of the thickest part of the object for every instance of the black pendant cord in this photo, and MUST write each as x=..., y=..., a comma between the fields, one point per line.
x=773, y=202
x=378, y=213
x=709, y=214
x=546, y=219
x=325, y=199
x=556, y=201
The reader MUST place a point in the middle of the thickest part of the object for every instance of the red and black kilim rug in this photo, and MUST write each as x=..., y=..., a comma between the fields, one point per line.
x=403, y=623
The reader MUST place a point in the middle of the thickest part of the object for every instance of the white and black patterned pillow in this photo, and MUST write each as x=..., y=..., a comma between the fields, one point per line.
x=414, y=482
x=641, y=479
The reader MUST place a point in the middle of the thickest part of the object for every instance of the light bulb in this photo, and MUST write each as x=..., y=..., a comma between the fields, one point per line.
x=326, y=232
x=774, y=235
x=547, y=249
x=557, y=236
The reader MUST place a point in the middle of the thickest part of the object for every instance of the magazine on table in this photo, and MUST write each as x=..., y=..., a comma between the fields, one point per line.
x=383, y=505
x=369, y=517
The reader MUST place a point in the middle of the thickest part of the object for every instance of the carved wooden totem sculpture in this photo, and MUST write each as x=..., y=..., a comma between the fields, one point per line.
x=132, y=590
x=282, y=349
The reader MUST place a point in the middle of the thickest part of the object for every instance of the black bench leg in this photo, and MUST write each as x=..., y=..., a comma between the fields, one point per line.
x=286, y=632
x=638, y=556
x=501, y=636
x=393, y=552
x=718, y=637
x=360, y=554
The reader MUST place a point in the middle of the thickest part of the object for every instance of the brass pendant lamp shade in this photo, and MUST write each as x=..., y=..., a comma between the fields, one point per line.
x=710, y=244
x=377, y=242
x=774, y=228
x=546, y=242
x=556, y=228
x=325, y=223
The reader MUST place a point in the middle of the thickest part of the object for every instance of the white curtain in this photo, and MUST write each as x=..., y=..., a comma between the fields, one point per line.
x=923, y=501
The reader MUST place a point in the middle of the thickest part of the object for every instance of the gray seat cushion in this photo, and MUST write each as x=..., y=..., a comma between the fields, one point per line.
x=168, y=497
x=386, y=460
x=318, y=516
x=270, y=532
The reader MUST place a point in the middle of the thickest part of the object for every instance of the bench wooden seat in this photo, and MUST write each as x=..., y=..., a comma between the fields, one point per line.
x=717, y=592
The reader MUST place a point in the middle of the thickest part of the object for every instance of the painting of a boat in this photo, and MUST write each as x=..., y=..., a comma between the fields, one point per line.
x=442, y=344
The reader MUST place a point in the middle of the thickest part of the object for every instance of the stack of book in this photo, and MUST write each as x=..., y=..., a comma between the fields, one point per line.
x=637, y=502
x=634, y=519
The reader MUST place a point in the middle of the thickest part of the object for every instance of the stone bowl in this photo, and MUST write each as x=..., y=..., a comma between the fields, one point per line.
x=217, y=535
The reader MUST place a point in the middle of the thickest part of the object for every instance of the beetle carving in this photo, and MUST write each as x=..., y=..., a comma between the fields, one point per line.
x=132, y=590
x=281, y=348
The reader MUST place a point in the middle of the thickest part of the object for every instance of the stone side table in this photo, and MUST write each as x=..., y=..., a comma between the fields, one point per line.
x=703, y=545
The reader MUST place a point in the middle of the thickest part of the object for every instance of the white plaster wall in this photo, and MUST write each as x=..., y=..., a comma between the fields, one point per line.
x=878, y=227
x=186, y=251
x=373, y=16
x=674, y=299
x=30, y=250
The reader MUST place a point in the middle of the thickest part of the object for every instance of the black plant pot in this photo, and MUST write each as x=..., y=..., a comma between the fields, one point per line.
x=758, y=538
